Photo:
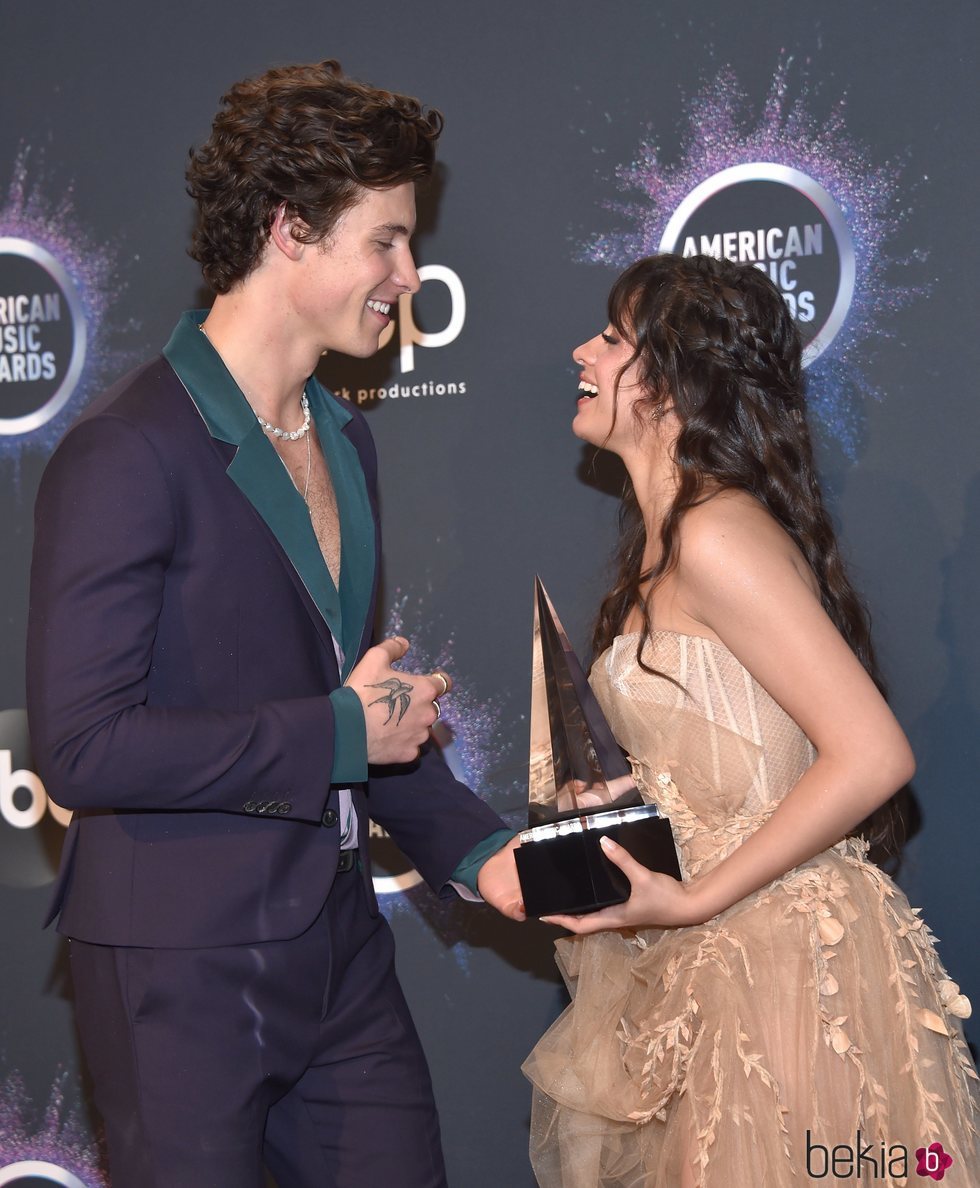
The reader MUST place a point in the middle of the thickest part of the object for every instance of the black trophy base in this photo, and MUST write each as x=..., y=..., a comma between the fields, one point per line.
x=563, y=870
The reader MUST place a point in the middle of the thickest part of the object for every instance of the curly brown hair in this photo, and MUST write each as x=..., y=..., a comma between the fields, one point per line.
x=308, y=136
x=717, y=341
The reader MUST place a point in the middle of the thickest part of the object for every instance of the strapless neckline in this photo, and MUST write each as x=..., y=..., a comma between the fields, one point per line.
x=714, y=656
x=668, y=632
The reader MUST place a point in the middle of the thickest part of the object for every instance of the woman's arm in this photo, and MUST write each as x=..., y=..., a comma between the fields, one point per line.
x=743, y=581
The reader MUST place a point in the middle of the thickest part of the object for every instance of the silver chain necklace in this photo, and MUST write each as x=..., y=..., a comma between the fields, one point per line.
x=309, y=468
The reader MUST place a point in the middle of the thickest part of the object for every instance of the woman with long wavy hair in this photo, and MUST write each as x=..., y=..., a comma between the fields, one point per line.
x=782, y=1009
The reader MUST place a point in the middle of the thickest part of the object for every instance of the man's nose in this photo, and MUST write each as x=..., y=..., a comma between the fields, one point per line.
x=407, y=275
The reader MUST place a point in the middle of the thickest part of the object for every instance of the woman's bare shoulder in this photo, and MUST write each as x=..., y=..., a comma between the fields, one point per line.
x=731, y=533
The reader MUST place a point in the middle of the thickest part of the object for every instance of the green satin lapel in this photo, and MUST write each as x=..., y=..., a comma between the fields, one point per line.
x=209, y=383
x=259, y=474
x=356, y=521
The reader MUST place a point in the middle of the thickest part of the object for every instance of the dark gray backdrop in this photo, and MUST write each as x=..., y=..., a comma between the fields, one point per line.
x=544, y=100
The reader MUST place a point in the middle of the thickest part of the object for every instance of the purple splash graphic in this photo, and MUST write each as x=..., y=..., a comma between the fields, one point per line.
x=28, y=213
x=479, y=753
x=723, y=131
x=474, y=724
x=59, y=1138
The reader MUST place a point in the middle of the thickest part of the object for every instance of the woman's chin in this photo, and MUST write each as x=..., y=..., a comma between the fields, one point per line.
x=581, y=428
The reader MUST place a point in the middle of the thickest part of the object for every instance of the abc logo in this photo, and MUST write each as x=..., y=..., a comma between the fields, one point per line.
x=32, y=828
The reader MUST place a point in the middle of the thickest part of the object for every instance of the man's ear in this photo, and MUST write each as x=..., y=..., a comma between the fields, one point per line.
x=281, y=233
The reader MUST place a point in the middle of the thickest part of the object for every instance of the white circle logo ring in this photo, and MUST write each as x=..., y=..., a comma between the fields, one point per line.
x=39, y=1169
x=825, y=204
x=13, y=426
x=390, y=884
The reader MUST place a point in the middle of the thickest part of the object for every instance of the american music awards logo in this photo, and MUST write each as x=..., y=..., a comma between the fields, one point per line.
x=792, y=196
x=804, y=246
x=42, y=335
x=56, y=287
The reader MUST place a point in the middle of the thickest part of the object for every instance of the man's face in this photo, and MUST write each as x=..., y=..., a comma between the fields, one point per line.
x=351, y=282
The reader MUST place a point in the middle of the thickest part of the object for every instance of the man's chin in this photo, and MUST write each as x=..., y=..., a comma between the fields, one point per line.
x=352, y=351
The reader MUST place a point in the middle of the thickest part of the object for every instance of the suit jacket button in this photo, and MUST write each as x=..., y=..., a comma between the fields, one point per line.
x=329, y=818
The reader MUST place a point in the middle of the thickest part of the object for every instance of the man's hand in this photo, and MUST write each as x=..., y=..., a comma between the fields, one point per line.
x=498, y=883
x=399, y=707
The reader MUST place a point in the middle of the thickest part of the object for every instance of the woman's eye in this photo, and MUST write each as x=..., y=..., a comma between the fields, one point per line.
x=609, y=339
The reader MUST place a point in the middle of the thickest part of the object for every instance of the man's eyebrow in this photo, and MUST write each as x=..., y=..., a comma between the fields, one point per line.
x=394, y=229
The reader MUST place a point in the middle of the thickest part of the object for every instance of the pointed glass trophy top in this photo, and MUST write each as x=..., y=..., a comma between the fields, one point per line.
x=576, y=766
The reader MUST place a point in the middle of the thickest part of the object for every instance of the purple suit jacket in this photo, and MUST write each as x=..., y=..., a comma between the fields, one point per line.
x=180, y=667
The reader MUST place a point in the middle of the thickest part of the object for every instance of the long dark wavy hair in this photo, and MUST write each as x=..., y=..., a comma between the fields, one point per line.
x=716, y=341
x=308, y=136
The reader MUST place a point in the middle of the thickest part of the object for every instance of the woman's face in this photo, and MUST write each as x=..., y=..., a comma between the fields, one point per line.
x=607, y=392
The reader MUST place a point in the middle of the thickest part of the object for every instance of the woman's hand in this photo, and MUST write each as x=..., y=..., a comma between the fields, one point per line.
x=656, y=900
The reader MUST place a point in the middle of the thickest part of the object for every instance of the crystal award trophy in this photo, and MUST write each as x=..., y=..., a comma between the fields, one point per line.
x=580, y=789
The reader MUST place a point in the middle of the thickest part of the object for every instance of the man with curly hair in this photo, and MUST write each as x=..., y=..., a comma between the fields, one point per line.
x=204, y=696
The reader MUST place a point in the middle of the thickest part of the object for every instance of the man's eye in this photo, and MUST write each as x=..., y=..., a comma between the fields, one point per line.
x=386, y=244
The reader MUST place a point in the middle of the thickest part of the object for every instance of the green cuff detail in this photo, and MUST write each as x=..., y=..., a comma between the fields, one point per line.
x=468, y=870
x=350, y=765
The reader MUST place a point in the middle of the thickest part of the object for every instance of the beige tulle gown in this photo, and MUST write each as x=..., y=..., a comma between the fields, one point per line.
x=750, y=1046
